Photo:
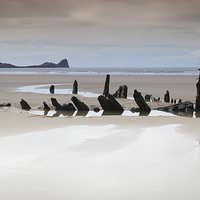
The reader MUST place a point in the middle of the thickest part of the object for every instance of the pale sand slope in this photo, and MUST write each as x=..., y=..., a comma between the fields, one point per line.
x=109, y=157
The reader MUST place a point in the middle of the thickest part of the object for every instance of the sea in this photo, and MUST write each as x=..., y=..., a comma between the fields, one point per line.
x=102, y=71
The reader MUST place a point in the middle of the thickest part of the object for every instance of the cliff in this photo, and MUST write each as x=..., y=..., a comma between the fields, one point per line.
x=62, y=64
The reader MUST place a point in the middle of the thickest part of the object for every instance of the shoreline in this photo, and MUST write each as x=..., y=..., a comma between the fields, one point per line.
x=97, y=157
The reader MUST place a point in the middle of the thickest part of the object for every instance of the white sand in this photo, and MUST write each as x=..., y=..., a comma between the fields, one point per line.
x=100, y=162
x=108, y=157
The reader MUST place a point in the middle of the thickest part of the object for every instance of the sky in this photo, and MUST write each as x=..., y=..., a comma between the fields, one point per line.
x=101, y=33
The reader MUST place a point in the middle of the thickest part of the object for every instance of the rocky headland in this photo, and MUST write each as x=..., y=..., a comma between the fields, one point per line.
x=62, y=64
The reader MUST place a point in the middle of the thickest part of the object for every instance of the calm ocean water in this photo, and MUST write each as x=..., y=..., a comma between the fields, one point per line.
x=100, y=71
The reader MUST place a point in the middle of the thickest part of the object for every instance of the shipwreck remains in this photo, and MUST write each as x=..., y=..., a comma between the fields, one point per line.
x=75, y=87
x=109, y=103
x=167, y=97
x=81, y=106
x=66, y=107
x=121, y=92
x=197, y=102
x=24, y=105
x=143, y=106
x=51, y=89
x=106, y=86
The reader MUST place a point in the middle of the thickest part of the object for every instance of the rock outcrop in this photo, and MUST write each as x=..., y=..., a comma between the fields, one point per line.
x=62, y=64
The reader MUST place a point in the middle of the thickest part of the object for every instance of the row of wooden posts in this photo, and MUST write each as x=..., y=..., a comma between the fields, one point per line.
x=109, y=103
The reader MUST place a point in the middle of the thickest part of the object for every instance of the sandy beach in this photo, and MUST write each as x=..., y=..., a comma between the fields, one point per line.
x=97, y=157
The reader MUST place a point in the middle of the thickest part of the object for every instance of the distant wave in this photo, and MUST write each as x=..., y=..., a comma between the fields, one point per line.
x=100, y=71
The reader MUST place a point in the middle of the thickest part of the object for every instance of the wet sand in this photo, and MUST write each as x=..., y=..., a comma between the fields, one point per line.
x=107, y=157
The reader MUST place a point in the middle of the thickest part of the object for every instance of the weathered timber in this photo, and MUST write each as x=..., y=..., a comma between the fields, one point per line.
x=197, y=102
x=140, y=101
x=167, y=97
x=64, y=107
x=147, y=97
x=75, y=87
x=46, y=107
x=56, y=104
x=106, y=86
x=118, y=93
x=124, y=91
x=109, y=103
x=5, y=105
x=68, y=107
x=51, y=89
x=24, y=105
x=79, y=104
x=182, y=106
x=121, y=92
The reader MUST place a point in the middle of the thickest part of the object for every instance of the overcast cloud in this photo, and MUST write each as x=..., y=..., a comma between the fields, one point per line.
x=91, y=33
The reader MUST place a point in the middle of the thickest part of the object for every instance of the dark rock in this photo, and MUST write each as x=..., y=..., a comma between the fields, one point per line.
x=167, y=97
x=46, y=107
x=109, y=103
x=79, y=104
x=106, y=86
x=133, y=110
x=147, y=97
x=75, y=87
x=63, y=63
x=51, y=89
x=96, y=109
x=24, y=105
x=5, y=105
x=140, y=101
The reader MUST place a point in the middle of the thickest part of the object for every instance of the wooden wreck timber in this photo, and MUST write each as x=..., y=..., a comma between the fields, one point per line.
x=46, y=107
x=109, y=103
x=106, y=86
x=197, y=107
x=66, y=107
x=182, y=106
x=75, y=87
x=167, y=97
x=143, y=106
x=81, y=106
x=51, y=89
x=24, y=105
x=121, y=92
